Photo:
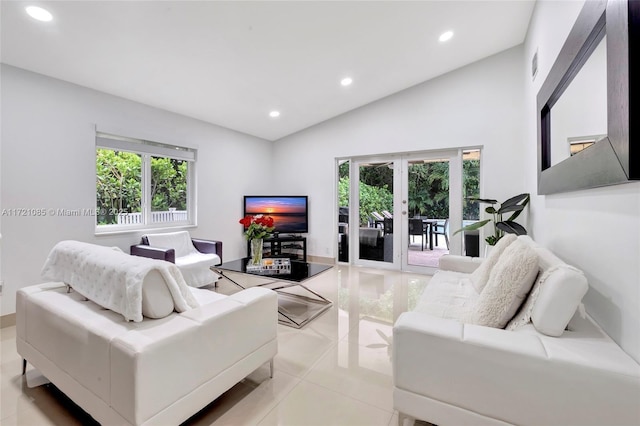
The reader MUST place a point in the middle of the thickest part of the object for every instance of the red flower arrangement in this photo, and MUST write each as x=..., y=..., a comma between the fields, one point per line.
x=257, y=227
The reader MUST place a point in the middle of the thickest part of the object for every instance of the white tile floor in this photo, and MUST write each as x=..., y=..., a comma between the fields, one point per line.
x=334, y=371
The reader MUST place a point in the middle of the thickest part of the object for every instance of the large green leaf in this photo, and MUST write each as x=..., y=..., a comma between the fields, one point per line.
x=473, y=226
x=511, y=227
x=522, y=199
x=482, y=200
x=510, y=209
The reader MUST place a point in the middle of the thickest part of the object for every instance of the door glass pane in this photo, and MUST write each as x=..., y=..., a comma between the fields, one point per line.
x=470, y=209
x=428, y=202
x=375, y=233
x=343, y=210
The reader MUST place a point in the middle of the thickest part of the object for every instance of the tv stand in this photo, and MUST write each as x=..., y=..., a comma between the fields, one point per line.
x=291, y=246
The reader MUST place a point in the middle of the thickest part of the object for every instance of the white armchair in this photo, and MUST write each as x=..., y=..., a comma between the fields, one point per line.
x=193, y=256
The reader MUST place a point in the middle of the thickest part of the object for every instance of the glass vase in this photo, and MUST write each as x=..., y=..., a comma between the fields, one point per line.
x=256, y=251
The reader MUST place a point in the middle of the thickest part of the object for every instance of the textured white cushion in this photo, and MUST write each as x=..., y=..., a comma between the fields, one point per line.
x=480, y=276
x=156, y=297
x=509, y=283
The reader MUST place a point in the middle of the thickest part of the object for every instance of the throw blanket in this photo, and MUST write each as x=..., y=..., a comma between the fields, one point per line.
x=112, y=278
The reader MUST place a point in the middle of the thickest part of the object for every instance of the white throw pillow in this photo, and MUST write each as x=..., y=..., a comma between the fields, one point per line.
x=157, y=301
x=480, y=276
x=509, y=283
x=555, y=296
x=557, y=300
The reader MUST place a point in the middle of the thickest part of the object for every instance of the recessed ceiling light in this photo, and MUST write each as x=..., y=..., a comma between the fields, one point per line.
x=39, y=13
x=274, y=114
x=446, y=36
x=346, y=81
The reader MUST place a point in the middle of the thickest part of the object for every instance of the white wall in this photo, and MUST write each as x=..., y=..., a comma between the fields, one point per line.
x=480, y=104
x=48, y=161
x=597, y=230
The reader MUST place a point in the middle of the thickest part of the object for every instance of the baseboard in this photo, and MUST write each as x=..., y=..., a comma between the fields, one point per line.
x=7, y=320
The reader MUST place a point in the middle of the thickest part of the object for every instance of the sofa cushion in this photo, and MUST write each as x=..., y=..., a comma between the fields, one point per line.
x=557, y=300
x=157, y=301
x=555, y=296
x=509, y=283
x=480, y=276
x=448, y=295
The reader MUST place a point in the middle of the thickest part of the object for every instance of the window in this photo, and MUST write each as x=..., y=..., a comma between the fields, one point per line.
x=143, y=184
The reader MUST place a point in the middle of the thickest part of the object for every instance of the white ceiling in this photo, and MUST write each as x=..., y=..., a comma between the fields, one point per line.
x=231, y=63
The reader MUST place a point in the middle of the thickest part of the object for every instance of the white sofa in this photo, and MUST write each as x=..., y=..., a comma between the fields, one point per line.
x=553, y=365
x=154, y=371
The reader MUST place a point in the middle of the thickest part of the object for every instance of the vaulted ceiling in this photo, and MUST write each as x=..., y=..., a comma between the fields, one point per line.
x=233, y=62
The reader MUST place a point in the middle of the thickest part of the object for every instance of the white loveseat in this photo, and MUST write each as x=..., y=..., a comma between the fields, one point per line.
x=153, y=371
x=552, y=365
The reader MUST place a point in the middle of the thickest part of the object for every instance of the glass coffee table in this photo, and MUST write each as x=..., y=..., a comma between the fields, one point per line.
x=294, y=310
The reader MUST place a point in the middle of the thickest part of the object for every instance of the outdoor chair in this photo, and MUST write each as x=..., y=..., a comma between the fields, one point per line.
x=386, y=214
x=387, y=226
x=378, y=219
x=416, y=228
x=441, y=228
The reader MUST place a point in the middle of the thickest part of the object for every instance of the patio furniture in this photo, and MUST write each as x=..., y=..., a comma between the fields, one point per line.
x=387, y=215
x=416, y=227
x=441, y=228
x=428, y=225
x=387, y=226
x=378, y=219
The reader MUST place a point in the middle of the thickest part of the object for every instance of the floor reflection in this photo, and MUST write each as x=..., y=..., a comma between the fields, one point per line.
x=335, y=370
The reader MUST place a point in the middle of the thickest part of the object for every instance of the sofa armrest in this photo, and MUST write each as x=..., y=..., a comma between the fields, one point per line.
x=466, y=264
x=167, y=254
x=208, y=246
x=513, y=376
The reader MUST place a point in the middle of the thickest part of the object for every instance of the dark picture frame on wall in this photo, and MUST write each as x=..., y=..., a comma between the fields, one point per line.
x=615, y=158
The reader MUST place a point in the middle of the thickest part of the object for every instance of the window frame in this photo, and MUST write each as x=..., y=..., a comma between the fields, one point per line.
x=147, y=149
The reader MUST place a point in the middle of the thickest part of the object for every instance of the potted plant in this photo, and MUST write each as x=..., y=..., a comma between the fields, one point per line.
x=513, y=205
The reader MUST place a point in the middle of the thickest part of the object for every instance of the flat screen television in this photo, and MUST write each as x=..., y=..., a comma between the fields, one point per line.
x=290, y=213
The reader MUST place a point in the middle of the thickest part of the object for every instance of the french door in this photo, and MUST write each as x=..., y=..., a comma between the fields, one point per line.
x=402, y=210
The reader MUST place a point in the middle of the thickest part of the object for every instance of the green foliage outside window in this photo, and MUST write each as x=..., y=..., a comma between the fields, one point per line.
x=119, y=184
x=168, y=184
x=118, y=187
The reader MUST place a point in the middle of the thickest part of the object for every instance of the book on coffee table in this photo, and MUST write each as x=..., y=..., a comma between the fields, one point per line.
x=275, y=266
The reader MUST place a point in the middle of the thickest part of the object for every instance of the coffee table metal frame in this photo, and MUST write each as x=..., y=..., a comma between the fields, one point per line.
x=285, y=317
